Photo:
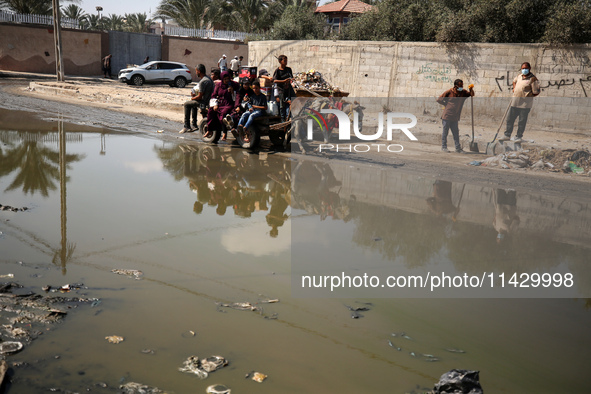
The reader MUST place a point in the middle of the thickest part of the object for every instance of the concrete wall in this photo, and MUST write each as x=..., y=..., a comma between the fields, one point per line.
x=193, y=51
x=407, y=69
x=31, y=49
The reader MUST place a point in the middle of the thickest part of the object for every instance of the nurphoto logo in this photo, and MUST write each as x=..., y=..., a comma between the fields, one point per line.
x=338, y=118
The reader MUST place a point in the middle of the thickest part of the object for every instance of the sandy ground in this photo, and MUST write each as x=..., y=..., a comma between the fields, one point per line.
x=164, y=103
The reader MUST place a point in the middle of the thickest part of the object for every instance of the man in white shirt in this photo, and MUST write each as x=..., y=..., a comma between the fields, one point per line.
x=525, y=87
x=223, y=63
x=235, y=66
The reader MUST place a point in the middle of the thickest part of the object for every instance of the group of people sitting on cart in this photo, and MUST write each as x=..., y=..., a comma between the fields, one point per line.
x=233, y=106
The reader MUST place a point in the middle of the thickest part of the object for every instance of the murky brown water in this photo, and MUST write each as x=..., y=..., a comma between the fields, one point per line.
x=212, y=225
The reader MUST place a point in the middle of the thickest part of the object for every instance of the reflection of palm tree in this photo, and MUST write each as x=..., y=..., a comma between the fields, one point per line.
x=37, y=167
x=174, y=160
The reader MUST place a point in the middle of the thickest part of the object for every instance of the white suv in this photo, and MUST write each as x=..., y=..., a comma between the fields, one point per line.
x=172, y=73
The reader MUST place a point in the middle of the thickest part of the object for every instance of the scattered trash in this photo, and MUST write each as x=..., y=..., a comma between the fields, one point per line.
x=188, y=334
x=114, y=339
x=458, y=381
x=269, y=301
x=147, y=351
x=314, y=80
x=574, y=168
x=135, y=274
x=7, y=276
x=241, y=306
x=453, y=350
x=394, y=346
x=259, y=377
x=138, y=388
x=475, y=163
x=218, y=389
x=542, y=159
x=202, y=368
x=12, y=209
x=160, y=131
x=10, y=347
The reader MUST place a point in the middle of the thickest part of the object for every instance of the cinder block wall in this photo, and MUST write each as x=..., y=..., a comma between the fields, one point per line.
x=408, y=69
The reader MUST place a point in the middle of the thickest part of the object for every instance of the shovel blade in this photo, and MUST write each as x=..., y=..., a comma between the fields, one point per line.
x=474, y=147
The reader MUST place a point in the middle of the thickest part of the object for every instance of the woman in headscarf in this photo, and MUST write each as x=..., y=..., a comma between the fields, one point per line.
x=228, y=101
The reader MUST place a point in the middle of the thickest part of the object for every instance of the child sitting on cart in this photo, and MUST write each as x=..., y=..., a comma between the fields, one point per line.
x=257, y=106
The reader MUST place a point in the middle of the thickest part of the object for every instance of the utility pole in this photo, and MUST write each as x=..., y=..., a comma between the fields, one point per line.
x=57, y=38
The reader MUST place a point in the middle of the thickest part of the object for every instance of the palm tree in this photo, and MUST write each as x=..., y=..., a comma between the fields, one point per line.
x=113, y=22
x=38, y=7
x=248, y=15
x=72, y=11
x=137, y=23
x=92, y=22
x=192, y=14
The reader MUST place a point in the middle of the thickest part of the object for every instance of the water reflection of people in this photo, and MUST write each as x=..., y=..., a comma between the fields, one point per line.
x=312, y=184
x=506, y=219
x=235, y=179
x=441, y=203
x=277, y=216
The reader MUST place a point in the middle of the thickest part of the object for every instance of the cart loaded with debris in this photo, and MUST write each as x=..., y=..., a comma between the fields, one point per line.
x=305, y=84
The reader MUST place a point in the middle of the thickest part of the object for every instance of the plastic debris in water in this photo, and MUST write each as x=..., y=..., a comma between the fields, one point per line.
x=10, y=347
x=114, y=338
x=218, y=389
x=130, y=273
x=259, y=377
x=7, y=275
x=134, y=388
x=202, y=368
x=453, y=350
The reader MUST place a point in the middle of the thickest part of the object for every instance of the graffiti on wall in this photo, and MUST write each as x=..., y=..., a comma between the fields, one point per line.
x=435, y=73
x=584, y=82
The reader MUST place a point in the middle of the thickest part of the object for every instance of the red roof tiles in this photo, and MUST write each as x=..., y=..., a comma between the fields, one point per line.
x=350, y=6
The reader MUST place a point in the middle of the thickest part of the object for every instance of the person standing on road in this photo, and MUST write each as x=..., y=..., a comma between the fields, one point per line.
x=235, y=66
x=453, y=101
x=525, y=87
x=107, y=65
x=223, y=63
x=200, y=96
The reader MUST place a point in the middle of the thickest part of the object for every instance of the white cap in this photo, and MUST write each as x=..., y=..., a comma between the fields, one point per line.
x=235, y=57
x=224, y=55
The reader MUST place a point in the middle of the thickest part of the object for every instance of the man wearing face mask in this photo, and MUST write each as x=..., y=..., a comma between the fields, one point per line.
x=525, y=87
x=453, y=101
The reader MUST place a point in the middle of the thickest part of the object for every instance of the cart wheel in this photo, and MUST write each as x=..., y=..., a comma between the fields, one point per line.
x=215, y=135
x=208, y=154
x=250, y=139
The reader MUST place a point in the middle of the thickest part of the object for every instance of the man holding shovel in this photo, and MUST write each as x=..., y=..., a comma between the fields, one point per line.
x=453, y=101
x=525, y=87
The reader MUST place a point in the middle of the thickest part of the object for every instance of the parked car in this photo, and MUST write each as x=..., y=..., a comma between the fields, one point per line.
x=172, y=73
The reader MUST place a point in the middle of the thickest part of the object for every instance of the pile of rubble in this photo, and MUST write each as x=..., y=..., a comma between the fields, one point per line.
x=552, y=160
x=313, y=80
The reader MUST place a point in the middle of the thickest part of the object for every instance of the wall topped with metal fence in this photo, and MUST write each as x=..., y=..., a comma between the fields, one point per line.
x=204, y=33
x=37, y=19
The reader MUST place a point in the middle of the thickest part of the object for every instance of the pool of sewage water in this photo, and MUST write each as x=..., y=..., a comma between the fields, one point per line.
x=211, y=226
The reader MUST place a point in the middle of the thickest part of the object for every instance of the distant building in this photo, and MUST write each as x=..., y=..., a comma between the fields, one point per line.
x=339, y=13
